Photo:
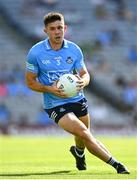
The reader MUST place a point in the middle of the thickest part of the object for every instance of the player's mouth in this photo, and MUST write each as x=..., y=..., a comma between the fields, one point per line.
x=58, y=38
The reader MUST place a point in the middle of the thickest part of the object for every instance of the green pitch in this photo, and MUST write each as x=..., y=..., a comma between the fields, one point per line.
x=49, y=158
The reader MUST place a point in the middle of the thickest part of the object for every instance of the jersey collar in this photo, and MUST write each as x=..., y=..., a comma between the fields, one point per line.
x=48, y=47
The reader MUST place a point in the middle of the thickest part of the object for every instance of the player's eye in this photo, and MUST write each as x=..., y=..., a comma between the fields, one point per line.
x=60, y=28
x=52, y=28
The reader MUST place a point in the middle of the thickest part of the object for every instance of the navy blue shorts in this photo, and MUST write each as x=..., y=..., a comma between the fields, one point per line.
x=79, y=108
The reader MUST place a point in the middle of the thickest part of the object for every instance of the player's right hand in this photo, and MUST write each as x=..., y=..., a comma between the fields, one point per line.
x=57, y=91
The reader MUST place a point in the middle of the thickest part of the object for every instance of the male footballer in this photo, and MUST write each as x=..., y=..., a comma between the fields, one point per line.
x=46, y=62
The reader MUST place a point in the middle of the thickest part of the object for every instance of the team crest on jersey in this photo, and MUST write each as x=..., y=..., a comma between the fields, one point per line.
x=69, y=60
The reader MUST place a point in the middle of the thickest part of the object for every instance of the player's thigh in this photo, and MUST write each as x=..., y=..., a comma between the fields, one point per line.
x=86, y=120
x=72, y=124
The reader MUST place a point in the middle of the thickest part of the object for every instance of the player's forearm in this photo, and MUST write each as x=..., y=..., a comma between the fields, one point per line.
x=36, y=86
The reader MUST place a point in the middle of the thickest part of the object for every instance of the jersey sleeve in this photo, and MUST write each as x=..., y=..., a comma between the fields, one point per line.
x=31, y=64
x=79, y=64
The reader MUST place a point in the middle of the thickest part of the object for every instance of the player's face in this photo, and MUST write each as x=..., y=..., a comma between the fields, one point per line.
x=56, y=31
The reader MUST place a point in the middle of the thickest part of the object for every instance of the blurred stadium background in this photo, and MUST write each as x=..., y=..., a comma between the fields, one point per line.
x=106, y=30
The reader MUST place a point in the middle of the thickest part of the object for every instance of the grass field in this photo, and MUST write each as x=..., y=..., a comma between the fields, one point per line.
x=49, y=158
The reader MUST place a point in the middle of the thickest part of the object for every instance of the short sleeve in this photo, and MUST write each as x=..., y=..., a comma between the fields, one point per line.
x=79, y=64
x=31, y=64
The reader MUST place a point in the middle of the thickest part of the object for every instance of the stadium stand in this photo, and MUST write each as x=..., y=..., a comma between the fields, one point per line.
x=106, y=34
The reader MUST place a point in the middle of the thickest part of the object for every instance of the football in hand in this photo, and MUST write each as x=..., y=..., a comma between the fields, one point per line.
x=68, y=82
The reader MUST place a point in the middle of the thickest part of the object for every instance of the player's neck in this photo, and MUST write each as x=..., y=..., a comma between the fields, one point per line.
x=56, y=46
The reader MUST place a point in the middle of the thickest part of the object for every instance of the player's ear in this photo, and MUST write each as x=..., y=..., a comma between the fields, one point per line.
x=65, y=28
x=45, y=30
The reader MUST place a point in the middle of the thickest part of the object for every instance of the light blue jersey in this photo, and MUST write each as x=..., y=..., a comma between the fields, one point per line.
x=49, y=65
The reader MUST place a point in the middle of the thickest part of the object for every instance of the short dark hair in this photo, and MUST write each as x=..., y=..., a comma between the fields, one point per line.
x=52, y=17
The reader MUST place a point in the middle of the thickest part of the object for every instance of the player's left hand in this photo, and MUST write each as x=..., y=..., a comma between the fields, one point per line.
x=80, y=84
